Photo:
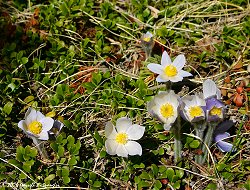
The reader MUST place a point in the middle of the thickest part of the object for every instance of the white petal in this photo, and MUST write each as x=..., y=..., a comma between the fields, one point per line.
x=31, y=117
x=122, y=124
x=156, y=68
x=111, y=146
x=133, y=148
x=22, y=125
x=39, y=116
x=121, y=151
x=165, y=59
x=167, y=126
x=44, y=135
x=135, y=132
x=47, y=123
x=28, y=112
x=184, y=73
x=209, y=88
x=179, y=62
x=159, y=78
x=177, y=78
x=110, y=131
x=149, y=34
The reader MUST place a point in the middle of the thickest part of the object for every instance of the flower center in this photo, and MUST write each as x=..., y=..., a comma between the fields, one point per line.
x=170, y=71
x=195, y=111
x=146, y=39
x=35, y=127
x=167, y=110
x=215, y=111
x=121, y=138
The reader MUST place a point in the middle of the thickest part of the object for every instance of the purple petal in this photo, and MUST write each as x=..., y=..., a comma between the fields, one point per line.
x=223, y=126
x=213, y=102
x=222, y=145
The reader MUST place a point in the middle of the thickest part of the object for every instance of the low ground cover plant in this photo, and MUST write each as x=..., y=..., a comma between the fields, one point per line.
x=124, y=94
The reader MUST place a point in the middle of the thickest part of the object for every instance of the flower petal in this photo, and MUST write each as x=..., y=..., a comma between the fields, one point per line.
x=121, y=151
x=161, y=78
x=122, y=124
x=177, y=78
x=111, y=146
x=133, y=148
x=44, y=135
x=185, y=73
x=47, y=123
x=22, y=125
x=167, y=126
x=165, y=59
x=155, y=68
x=179, y=62
x=209, y=89
x=31, y=116
x=39, y=116
x=110, y=131
x=223, y=127
x=223, y=146
x=135, y=132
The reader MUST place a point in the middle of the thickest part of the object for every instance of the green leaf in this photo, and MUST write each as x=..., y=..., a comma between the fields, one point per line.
x=179, y=173
x=65, y=171
x=3, y=131
x=24, y=60
x=145, y=175
x=155, y=169
x=97, y=184
x=72, y=161
x=157, y=184
x=49, y=178
x=64, y=8
x=194, y=144
x=60, y=151
x=66, y=180
x=28, y=99
x=8, y=107
x=170, y=173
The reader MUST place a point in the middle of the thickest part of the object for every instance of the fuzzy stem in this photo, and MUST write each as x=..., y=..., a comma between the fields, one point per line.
x=199, y=132
x=177, y=143
x=40, y=146
x=208, y=140
x=168, y=86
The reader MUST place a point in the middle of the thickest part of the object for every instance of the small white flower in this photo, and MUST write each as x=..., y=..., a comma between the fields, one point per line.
x=164, y=106
x=210, y=89
x=169, y=71
x=120, y=138
x=35, y=124
x=193, y=108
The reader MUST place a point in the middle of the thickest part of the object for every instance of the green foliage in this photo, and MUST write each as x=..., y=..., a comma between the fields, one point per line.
x=81, y=59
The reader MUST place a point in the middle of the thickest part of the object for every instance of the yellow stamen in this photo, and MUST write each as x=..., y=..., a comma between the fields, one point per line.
x=216, y=111
x=195, y=111
x=35, y=127
x=146, y=39
x=170, y=71
x=167, y=110
x=121, y=138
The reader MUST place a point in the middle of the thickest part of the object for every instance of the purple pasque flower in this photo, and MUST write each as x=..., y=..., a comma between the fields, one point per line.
x=220, y=135
x=214, y=106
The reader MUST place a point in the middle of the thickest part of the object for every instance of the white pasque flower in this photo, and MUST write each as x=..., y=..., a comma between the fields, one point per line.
x=169, y=71
x=164, y=107
x=35, y=124
x=193, y=108
x=120, y=138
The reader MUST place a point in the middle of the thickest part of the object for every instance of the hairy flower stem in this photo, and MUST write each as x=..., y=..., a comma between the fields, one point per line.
x=177, y=143
x=199, y=132
x=40, y=146
x=168, y=86
x=208, y=140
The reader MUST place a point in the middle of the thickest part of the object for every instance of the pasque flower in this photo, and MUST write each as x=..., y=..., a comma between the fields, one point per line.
x=220, y=135
x=164, y=107
x=214, y=106
x=147, y=43
x=35, y=124
x=120, y=138
x=169, y=71
x=193, y=108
